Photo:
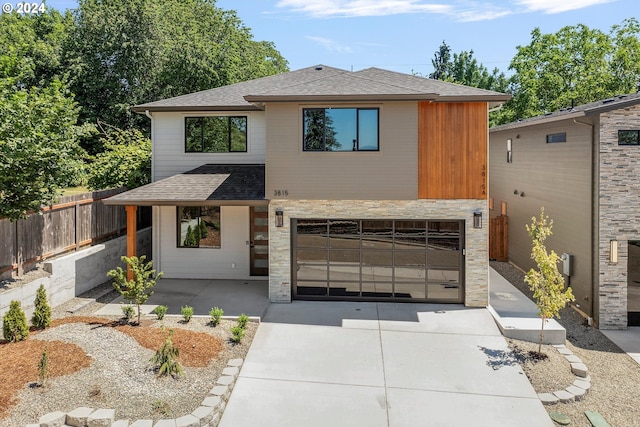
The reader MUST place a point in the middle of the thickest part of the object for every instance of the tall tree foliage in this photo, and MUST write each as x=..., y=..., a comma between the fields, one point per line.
x=39, y=150
x=464, y=69
x=125, y=161
x=127, y=52
x=573, y=66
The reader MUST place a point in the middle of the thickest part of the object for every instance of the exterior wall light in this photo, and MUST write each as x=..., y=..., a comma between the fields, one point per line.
x=279, y=218
x=477, y=220
x=613, y=251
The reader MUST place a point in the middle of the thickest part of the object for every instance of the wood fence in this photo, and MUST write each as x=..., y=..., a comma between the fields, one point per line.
x=71, y=224
x=498, y=233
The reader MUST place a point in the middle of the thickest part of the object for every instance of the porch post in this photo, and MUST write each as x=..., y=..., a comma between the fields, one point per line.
x=131, y=236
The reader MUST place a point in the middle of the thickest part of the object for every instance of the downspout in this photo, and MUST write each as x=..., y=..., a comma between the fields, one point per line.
x=155, y=214
x=595, y=283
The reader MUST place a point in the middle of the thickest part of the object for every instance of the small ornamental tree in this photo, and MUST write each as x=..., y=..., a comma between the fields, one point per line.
x=546, y=282
x=14, y=323
x=190, y=239
x=42, y=314
x=138, y=289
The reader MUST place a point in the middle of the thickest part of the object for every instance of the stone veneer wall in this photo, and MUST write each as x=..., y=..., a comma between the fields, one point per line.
x=618, y=216
x=477, y=253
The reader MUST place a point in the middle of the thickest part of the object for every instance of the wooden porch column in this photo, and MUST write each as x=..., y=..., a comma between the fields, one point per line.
x=131, y=236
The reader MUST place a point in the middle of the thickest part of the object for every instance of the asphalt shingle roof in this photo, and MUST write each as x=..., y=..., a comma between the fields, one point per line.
x=221, y=183
x=322, y=82
x=613, y=103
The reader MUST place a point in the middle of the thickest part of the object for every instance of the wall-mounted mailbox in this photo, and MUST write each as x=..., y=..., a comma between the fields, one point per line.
x=566, y=264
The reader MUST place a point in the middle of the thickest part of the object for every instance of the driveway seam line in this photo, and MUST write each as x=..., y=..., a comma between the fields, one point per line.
x=309, y=382
x=384, y=372
x=464, y=392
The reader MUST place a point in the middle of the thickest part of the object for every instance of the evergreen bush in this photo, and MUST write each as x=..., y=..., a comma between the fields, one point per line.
x=165, y=360
x=242, y=320
x=216, y=314
x=160, y=311
x=187, y=313
x=42, y=314
x=14, y=326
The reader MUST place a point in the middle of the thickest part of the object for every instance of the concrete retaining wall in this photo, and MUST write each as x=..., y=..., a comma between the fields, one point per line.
x=75, y=273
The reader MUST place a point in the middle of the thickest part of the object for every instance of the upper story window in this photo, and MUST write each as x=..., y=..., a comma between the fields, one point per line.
x=556, y=137
x=629, y=137
x=215, y=134
x=340, y=129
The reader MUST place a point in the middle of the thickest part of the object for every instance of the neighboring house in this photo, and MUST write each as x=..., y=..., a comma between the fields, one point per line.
x=582, y=165
x=338, y=185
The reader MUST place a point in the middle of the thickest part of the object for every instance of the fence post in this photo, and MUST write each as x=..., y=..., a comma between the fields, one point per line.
x=19, y=251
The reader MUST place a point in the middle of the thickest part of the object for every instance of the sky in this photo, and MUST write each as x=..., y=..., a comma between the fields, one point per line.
x=403, y=35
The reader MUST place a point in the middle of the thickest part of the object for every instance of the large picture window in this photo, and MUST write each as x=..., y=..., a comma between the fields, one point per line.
x=198, y=226
x=216, y=134
x=340, y=129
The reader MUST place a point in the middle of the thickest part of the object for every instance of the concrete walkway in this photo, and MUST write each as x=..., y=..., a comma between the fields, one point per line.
x=380, y=364
x=628, y=340
x=517, y=316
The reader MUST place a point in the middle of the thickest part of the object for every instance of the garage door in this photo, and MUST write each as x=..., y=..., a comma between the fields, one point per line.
x=374, y=260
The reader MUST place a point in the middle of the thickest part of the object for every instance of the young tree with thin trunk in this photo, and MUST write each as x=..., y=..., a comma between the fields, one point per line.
x=546, y=282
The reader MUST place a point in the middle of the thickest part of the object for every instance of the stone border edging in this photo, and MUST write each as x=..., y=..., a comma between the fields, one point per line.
x=208, y=414
x=578, y=389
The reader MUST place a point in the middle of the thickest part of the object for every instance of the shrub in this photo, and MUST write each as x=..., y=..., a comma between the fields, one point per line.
x=203, y=230
x=127, y=311
x=242, y=320
x=137, y=289
x=216, y=314
x=165, y=360
x=190, y=239
x=237, y=333
x=160, y=311
x=187, y=313
x=42, y=314
x=43, y=367
x=14, y=326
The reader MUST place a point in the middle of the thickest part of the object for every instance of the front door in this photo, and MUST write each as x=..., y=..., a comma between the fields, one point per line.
x=259, y=244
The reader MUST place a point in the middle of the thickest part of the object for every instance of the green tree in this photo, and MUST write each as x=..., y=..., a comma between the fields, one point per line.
x=125, y=161
x=126, y=52
x=441, y=62
x=42, y=313
x=464, y=69
x=14, y=323
x=190, y=239
x=546, y=282
x=573, y=66
x=138, y=289
x=39, y=150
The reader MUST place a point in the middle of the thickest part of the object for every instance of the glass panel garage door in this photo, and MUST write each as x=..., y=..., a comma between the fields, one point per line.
x=345, y=259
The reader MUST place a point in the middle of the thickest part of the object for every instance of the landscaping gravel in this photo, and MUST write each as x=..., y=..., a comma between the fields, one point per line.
x=120, y=375
x=615, y=376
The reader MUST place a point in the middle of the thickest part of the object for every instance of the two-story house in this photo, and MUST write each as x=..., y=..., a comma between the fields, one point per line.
x=338, y=185
x=581, y=164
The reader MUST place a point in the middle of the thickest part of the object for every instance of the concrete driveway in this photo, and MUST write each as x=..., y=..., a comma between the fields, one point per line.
x=380, y=364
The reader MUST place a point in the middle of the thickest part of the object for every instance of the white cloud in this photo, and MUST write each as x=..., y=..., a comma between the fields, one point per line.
x=354, y=8
x=558, y=6
x=330, y=45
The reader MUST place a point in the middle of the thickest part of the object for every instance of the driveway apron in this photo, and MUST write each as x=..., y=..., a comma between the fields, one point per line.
x=380, y=364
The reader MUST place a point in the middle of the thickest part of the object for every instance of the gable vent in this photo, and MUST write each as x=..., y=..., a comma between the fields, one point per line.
x=318, y=68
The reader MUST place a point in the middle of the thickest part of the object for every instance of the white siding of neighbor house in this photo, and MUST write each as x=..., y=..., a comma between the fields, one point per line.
x=204, y=263
x=169, y=157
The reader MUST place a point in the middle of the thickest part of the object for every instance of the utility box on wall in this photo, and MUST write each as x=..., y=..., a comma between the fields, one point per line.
x=566, y=264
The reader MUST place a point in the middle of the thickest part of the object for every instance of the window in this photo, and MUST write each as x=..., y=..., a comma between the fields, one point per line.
x=216, y=134
x=509, y=154
x=198, y=226
x=629, y=137
x=340, y=129
x=556, y=137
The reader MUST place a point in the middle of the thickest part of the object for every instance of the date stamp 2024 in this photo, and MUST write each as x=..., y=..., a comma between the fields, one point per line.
x=24, y=7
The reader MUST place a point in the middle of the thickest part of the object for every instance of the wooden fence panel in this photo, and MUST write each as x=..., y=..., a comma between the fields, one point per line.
x=72, y=223
x=499, y=238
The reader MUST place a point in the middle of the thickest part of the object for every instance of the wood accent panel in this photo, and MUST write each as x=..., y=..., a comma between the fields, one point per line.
x=452, y=150
x=499, y=238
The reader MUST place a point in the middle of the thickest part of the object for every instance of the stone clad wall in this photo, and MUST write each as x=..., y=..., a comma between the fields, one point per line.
x=476, y=260
x=619, y=213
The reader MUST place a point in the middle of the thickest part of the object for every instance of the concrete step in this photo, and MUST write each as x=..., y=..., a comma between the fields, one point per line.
x=528, y=328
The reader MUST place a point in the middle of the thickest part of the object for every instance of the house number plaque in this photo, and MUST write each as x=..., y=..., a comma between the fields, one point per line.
x=278, y=193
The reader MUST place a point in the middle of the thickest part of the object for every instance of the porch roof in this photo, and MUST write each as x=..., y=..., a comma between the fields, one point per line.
x=239, y=185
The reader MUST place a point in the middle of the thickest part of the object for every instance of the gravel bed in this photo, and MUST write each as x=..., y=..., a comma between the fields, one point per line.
x=615, y=376
x=120, y=375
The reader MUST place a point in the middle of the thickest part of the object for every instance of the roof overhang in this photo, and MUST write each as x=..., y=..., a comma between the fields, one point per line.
x=434, y=97
x=540, y=120
x=141, y=109
x=224, y=185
